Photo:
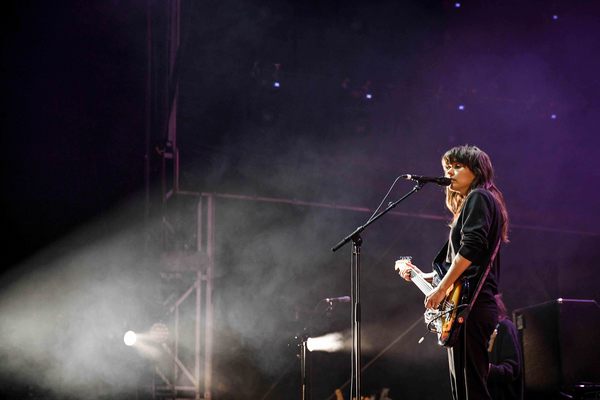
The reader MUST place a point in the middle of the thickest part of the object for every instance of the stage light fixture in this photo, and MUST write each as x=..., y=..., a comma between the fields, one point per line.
x=369, y=96
x=159, y=333
x=130, y=338
x=461, y=107
x=456, y=5
x=553, y=116
x=276, y=84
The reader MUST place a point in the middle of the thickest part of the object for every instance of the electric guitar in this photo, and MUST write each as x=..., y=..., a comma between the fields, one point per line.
x=446, y=320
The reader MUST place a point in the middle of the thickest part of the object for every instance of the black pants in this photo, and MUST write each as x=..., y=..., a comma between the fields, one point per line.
x=469, y=356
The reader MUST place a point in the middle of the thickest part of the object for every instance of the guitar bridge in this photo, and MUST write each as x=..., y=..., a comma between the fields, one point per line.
x=433, y=320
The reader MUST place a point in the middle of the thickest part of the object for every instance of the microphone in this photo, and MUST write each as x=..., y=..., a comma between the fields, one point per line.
x=442, y=180
x=342, y=299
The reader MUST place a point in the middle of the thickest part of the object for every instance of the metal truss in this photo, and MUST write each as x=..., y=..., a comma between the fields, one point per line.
x=185, y=369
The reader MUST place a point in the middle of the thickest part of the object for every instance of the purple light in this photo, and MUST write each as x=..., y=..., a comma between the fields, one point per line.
x=456, y=5
x=553, y=116
x=555, y=17
x=461, y=107
x=369, y=96
x=276, y=84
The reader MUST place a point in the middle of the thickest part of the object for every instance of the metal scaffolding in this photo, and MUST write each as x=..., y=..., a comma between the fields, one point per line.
x=189, y=351
x=184, y=367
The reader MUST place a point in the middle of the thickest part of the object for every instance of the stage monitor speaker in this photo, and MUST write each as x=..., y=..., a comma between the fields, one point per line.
x=560, y=347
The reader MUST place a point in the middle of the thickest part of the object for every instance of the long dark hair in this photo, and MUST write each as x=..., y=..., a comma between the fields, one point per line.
x=481, y=166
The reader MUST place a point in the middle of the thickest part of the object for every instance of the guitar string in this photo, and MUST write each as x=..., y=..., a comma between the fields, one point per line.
x=426, y=286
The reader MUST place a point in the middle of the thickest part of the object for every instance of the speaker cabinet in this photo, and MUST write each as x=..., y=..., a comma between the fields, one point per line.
x=561, y=348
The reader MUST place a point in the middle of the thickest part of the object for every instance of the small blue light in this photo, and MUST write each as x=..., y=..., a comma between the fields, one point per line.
x=369, y=96
x=457, y=5
x=461, y=107
x=553, y=116
x=276, y=84
x=555, y=17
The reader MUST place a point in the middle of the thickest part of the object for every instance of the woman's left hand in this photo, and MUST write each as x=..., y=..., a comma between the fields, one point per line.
x=435, y=298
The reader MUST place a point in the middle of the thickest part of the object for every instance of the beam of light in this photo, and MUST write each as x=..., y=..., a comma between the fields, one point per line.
x=130, y=338
x=148, y=350
x=146, y=343
x=330, y=343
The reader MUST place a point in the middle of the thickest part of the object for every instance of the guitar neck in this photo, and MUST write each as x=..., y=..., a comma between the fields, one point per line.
x=421, y=283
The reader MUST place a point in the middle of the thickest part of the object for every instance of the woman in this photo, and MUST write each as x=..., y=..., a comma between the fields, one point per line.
x=479, y=224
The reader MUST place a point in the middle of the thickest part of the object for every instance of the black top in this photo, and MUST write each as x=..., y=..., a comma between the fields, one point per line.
x=474, y=235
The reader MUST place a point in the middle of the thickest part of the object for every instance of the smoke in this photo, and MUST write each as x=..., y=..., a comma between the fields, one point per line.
x=64, y=314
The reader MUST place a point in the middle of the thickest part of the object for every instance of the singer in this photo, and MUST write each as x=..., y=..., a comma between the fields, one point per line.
x=479, y=224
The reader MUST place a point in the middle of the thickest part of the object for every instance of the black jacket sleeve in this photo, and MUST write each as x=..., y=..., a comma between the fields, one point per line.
x=477, y=216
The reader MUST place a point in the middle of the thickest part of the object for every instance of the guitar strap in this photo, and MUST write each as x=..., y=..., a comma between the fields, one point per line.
x=465, y=313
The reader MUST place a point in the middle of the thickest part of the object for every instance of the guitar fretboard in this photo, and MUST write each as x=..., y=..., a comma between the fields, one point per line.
x=421, y=283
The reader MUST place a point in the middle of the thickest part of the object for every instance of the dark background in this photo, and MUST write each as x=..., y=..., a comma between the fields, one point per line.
x=77, y=126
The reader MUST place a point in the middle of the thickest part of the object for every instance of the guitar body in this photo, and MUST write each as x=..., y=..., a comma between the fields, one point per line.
x=453, y=308
x=449, y=317
x=446, y=321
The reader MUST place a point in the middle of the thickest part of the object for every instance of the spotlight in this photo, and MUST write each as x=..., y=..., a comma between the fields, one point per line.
x=329, y=343
x=369, y=96
x=553, y=116
x=276, y=84
x=130, y=338
x=159, y=332
x=555, y=17
x=461, y=107
x=456, y=5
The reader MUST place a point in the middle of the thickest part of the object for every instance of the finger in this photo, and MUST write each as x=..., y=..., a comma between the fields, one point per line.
x=429, y=301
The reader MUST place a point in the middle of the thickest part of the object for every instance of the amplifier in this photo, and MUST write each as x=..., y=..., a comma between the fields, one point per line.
x=560, y=345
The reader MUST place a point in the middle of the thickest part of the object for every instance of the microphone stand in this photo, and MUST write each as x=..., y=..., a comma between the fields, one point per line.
x=304, y=374
x=355, y=289
x=305, y=379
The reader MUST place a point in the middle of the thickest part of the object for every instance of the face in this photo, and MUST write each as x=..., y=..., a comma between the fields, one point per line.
x=461, y=175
